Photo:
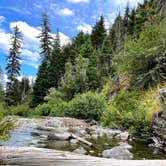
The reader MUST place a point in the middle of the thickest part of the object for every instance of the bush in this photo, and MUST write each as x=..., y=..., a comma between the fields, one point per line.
x=54, y=107
x=127, y=112
x=21, y=109
x=87, y=106
x=43, y=109
x=59, y=109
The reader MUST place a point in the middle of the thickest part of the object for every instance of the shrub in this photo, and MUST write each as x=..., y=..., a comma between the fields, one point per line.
x=43, y=109
x=54, y=107
x=59, y=109
x=127, y=112
x=87, y=106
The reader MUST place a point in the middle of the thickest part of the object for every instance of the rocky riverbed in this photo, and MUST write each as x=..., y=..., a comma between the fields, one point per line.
x=55, y=133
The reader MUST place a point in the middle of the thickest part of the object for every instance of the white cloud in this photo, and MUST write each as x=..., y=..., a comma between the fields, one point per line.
x=86, y=28
x=30, y=50
x=4, y=41
x=78, y=1
x=64, y=39
x=31, y=79
x=66, y=12
x=2, y=19
x=124, y=2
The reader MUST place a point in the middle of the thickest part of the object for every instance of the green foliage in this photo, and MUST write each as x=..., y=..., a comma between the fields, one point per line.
x=87, y=106
x=55, y=106
x=128, y=113
x=94, y=79
x=145, y=57
x=21, y=109
x=75, y=79
x=5, y=126
x=43, y=109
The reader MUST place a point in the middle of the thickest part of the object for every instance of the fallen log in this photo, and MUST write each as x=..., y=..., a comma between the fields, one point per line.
x=67, y=136
x=31, y=156
x=82, y=140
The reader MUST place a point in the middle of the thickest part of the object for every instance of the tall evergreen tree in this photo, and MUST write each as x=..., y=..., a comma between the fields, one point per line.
x=45, y=37
x=13, y=67
x=132, y=22
x=41, y=85
x=1, y=86
x=98, y=34
x=126, y=20
x=119, y=30
x=56, y=65
x=94, y=79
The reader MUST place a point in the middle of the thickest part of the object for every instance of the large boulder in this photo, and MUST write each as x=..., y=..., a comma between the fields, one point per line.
x=119, y=152
x=59, y=136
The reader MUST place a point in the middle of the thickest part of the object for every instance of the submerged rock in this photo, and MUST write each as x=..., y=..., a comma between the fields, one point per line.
x=119, y=152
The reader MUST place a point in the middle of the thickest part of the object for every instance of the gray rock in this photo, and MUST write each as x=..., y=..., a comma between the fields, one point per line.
x=119, y=152
x=122, y=136
x=59, y=136
x=80, y=150
x=111, y=133
x=73, y=141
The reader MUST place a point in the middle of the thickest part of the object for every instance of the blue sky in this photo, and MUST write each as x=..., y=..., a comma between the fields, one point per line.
x=70, y=16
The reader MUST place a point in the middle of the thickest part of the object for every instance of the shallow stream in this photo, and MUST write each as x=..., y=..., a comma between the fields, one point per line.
x=24, y=136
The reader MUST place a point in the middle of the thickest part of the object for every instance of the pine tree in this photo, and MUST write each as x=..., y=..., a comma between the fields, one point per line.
x=41, y=85
x=119, y=30
x=94, y=79
x=56, y=65
x=98, y=34
x=86, y=49
x=79, y=40
x=132, y=22
x=126, y=20
x=1, y=86
x=13, y=67
x=45, y=37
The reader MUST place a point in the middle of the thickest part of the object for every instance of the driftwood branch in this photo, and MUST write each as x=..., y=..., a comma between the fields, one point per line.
x=81, y=140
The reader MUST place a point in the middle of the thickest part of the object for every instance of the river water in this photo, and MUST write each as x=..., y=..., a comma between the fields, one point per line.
x=28, y=136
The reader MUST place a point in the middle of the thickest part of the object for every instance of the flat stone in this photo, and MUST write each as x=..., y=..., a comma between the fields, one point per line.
x=118, y=152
